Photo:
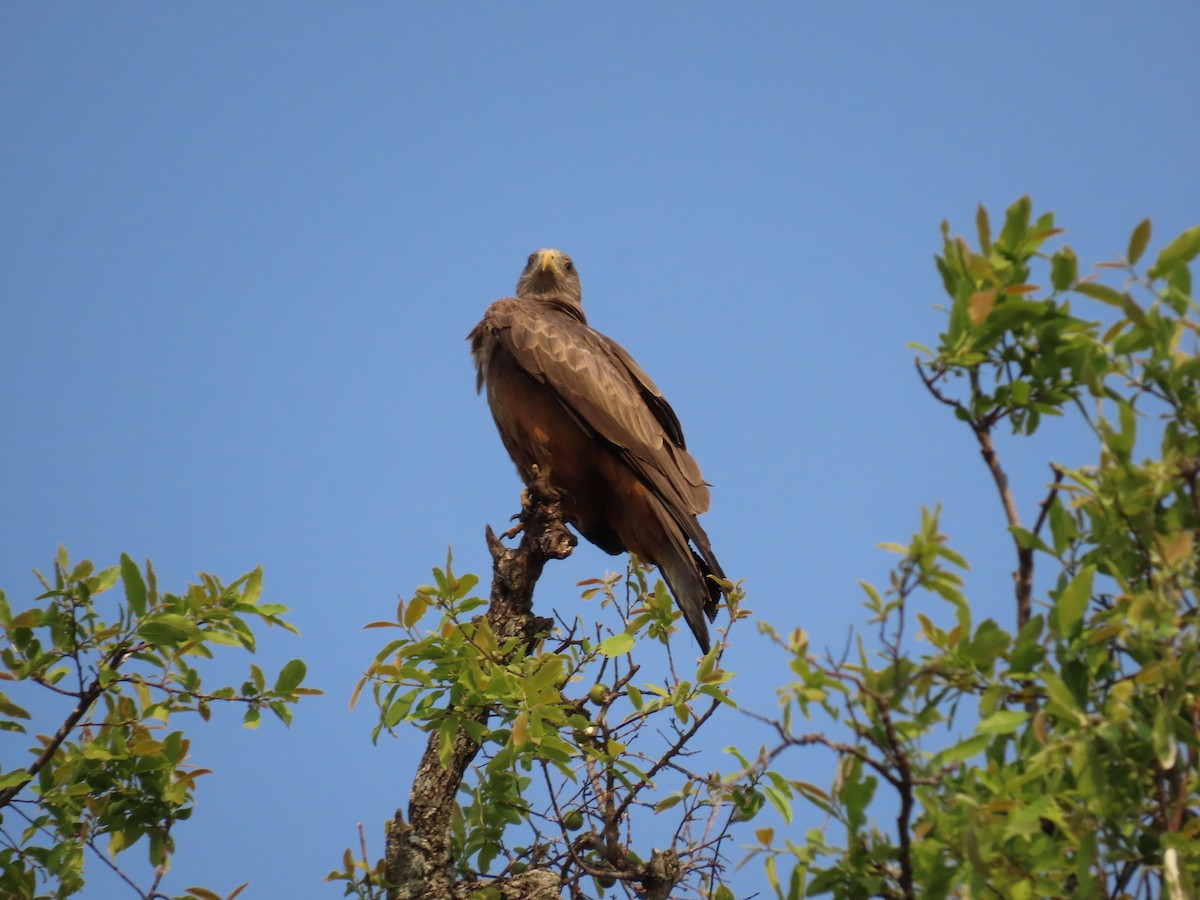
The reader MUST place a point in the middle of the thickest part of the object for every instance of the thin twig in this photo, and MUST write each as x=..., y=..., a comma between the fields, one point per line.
x=931, y=386
x=1024, y=574
x=685, y=736
x=362, y=842
x=1049, y=501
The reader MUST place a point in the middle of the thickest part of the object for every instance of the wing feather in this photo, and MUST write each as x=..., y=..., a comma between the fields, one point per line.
x=608, y=393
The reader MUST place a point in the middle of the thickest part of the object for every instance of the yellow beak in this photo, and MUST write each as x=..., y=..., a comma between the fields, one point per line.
x=547, y=259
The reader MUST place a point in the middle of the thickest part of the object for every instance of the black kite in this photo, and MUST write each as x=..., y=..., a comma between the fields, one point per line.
x=573, y=402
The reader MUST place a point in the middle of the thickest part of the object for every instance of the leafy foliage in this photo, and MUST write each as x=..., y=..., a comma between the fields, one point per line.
x=113, y=776
x=568, y=734
x=1075, y=769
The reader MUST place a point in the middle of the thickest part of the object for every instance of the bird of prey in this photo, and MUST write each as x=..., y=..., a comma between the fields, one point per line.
x=574, y=404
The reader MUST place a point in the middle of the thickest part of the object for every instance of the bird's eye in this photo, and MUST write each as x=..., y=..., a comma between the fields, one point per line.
x=569, y=266
x=529, y=262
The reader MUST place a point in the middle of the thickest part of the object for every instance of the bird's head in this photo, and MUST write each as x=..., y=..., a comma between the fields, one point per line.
x=551, y=275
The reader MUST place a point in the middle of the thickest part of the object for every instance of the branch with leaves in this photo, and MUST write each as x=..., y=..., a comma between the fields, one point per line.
x=126, y=666
x=527, y=788
x=1069, y=767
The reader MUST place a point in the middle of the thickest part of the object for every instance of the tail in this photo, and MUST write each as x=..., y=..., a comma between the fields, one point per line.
x=686, y=573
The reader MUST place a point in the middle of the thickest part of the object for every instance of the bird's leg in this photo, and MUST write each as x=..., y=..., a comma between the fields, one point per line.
x=540, y=474
x=519, y=518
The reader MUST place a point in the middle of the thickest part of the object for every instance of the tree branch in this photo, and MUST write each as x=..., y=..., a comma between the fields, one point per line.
x=1189, y=468
x=1049, y=501
x=930, y=383
x=903, y=819
x=1024, y=574
x=86, y=699
x=418, y=858
x=982, y=427
x=684, y=736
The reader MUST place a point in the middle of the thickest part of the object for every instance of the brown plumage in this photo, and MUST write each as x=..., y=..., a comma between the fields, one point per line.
x=574, y=403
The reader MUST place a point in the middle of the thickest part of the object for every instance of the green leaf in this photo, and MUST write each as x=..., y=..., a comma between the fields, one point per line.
x=1004, y=721
x=1060, y=694
x=963, y=751
x=1062, y=526
x=415, y=609
x=1019, y=393
x=282, y=711
x=1101, y=292
x=1180, y=251
x=1136, y=314
x=667, y=802
x=1027, y=652
x=464, y=585
x=1073, y=600
x=1179, y=293
x=400, y=708
x=549, y=673
x=746, y=803
x=617, y=645
x=447, y=729
x=987, y=645
x=1014, y=313
x=856, y=797
x=635, y=696
x=1064, y=269
x=290, y=676
x=14, y=779
x=135, y=587
x=781, y=802
x=168, y=629
x=1016, y=224
x=106, y=579
x=1138, y=241
x=1162, y=736
x=253, y=589
x=1027, y=540
x=10, y=709
x=984, y=227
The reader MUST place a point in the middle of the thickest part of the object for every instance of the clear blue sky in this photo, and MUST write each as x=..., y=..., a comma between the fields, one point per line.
x=243, y=244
